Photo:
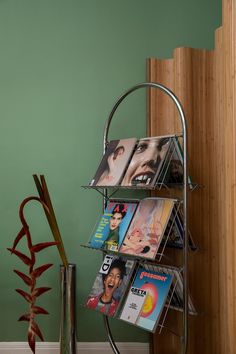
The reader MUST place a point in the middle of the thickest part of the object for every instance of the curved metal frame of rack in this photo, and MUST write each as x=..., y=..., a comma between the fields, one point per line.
x=185, y=201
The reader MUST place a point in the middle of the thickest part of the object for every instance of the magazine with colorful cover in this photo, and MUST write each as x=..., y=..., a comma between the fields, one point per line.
x=147, y=227
x=114, y=162
x=113, y=224
x=146, y=162
x=110, y=284
x=157, y=286
x=133, y=305
x=175, y=295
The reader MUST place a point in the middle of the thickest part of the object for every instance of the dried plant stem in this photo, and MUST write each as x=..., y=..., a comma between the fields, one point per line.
x=49, y=212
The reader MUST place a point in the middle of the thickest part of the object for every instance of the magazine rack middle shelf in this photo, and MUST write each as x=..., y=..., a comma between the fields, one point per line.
x=143, y=228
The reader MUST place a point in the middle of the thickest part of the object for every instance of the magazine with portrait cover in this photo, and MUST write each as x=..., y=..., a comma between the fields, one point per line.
x=114, y=162
x=146, y=162
x=156, y=285
x=110, y=284
x=147, y=227
x=175, y=295
x=112, y=227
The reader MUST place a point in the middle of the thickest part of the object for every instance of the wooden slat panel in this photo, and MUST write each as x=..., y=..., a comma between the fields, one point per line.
x=217, y=197
x=191, y=82
x=204, y=81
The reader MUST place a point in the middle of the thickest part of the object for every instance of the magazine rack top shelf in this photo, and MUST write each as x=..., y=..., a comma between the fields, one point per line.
x=191, y=186
x=185, y=186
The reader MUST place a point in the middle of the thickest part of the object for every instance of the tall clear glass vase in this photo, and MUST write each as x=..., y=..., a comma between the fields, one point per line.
x=68, y=308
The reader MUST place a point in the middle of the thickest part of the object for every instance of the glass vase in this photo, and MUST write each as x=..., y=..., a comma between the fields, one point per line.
x=68, y=324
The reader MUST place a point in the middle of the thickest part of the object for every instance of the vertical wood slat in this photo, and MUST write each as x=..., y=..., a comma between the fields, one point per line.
x=229, y=101
x=217, y=194
x=204, y=81
x=163, y=107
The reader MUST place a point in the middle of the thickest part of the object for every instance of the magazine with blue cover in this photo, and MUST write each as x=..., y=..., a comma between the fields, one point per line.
x=157, y=286
x=113, y=224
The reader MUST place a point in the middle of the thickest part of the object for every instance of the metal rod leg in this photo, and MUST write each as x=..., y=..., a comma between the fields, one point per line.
x=110, y=338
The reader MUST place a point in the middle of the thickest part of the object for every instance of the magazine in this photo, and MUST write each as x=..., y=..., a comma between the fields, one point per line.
x=147, y=228
x=175, y=295
x=145, y=165
x=113, y=224
x=157, y=285
x=114, y=162
x=133, y=305
x=174, y=233
x=110, y=284
x=172, y=170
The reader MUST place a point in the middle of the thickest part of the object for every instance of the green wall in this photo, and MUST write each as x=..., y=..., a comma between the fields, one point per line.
x=63, y=63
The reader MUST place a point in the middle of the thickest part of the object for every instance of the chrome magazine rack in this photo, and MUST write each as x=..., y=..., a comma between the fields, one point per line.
x=185, y=185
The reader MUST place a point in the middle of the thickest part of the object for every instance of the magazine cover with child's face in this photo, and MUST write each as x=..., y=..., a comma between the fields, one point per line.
x=110, y=284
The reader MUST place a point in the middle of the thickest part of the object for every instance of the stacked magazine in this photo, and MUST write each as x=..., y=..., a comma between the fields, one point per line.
x=175, y=296
x=110, y=284
x=143, y=238
x=174, y=234
x=146, y=298
x=112, y=227
x=147, y=162
x=111, y=168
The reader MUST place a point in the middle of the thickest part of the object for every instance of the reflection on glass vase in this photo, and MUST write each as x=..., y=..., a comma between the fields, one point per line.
x=67, y=325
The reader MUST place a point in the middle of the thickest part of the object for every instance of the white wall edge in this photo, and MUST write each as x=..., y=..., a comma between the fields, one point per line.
x=82, y=348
